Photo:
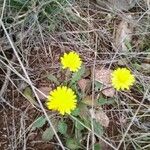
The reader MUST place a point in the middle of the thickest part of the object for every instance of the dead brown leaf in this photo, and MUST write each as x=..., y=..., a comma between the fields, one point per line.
x=103, y=76
x=109, y=92
x=45, y=91
x=119, y=5
x=145, y=67
x=123, y=36
x=84, y=84
x=104, y=146
x=88, y=101
x=100, y=117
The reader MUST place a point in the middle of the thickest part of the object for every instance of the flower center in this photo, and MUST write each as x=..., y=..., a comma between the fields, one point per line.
x=122, y=78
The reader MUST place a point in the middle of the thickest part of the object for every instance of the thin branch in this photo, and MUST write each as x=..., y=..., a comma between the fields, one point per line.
x=133, y=118
x=5, y=84
x=30, y=83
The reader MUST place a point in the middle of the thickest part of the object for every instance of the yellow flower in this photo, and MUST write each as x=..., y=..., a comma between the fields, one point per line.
x=122, y=79
x=62, y=99
x=71, y=61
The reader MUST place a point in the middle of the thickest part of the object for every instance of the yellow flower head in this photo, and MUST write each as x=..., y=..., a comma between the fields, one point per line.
x=62, y=99
x=71, y=61
x=122, y=79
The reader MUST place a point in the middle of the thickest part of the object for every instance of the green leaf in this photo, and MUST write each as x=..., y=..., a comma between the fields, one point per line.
x=97, y=146
x=84, y=114
x=128, y=45
x=98, y=128
x=148, y=50
x=98, y=85
x=19, y=4
x=72, y=144
x=62, y=127
x=75, y=112
x=75, y=89
x=79, y=126
x=28, y=92
x=38, y=123
x=137, y=66
x=48, y=134
x=103, y=101
x=53, y=79
x=29, y=95
x=77, y=75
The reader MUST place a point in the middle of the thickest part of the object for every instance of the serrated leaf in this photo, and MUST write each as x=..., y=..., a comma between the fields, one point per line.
x=75, y=112
x=19, y=4
x=77, y=75
x=97, y=146
x=84, y=114
x=53, y=79
x=48, y=134
x=128, y=45
x=79, y=126
x=62, y=127
x=28, y=92
x=98, y=128
x=98, y=85
x=38, y=123
x=103, y=101
x=75, y=89
x=29, y=95
x=72, y=144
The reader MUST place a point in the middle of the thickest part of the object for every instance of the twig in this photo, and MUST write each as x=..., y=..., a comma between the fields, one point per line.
x=5, y=84
x=30, y=83
x=124, y=135
x=2, y=13
x=3, y=100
